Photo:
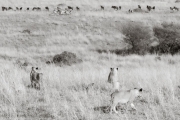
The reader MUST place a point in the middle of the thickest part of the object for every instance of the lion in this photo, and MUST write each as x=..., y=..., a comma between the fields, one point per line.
x=35, y=78
x=113, y=78
x=112, y=75
x=124, y=96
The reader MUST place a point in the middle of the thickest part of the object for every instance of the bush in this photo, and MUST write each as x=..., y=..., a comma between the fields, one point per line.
x=138, y=37
x=169, y=39
x=66, y=58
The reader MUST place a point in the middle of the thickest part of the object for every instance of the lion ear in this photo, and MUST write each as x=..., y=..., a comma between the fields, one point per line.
x=140, y=90
x=117, y=68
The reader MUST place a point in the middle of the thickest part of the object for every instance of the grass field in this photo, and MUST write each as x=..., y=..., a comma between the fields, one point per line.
x=63, y=95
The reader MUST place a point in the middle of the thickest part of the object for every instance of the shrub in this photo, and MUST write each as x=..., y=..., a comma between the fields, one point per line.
x=169, y=39
x=138, y=36
x=66, y=58
x=26, y=31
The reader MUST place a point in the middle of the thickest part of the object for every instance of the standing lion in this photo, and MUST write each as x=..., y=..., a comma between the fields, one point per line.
x=35, y=78
x=113, y=78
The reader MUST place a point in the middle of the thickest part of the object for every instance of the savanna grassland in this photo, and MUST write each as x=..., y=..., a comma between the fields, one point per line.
x=32, y=38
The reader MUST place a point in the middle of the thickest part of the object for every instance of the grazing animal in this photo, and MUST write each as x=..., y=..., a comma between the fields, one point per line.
x=175, y=8
x=153, y=7
x=124, y=96
x=20, y=8
x=102, y=7
x=17, y=8
x=69, y=7
x=149, y=8
x=115, y=7
x=171, y=8
x=10, y=8
x=35, y=78
x=34, y=8
x=4, y=8
x=48, y=62
x=119, y=7
x=47, y=8
x=77, y=8
x=130, y=11
x=38, y=8
x=27, y=9
x=139, y=6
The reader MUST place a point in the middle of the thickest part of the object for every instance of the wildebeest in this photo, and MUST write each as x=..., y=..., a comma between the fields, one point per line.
x=115, y=7
x=77, y=8
x=139, y=6
x=20, y=8
x=36, y=8
x=153, y=7
x=171, y=8
x=102, y=7
x=149, y=8
x=130, y=11
x=27, y=9
x=4, y=8
x=17, y=8
x=175, y=8
x=69, y=7
x=47, y=8
x=10, y=8
x=119, y=7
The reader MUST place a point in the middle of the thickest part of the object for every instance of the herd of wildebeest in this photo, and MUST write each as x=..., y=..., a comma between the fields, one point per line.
x=64, y=9
x=21, y=8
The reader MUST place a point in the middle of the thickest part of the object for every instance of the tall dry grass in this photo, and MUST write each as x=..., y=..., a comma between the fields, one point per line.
x=63, y=92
